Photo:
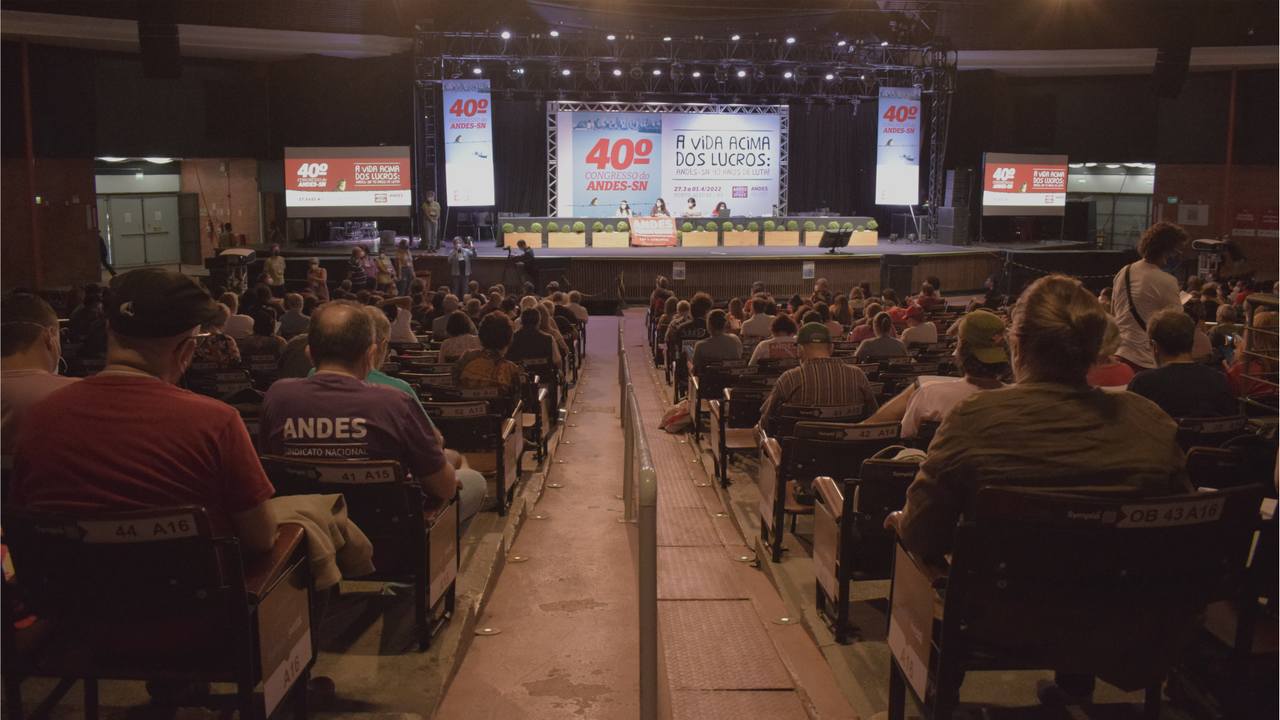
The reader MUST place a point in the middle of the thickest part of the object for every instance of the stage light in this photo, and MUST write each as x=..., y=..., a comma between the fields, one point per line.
x=617, y=72
x=862, y=77
x=554, y=33
x=166, y=161
x=610, y=37
x=829, y=76
x=841, y=43
x=884, y=43
x=791, y=41
x=735, y=38
x=111, y=158
x=519, y=71
x=564, y=72
x=1113, y=166
x=477, y=71
x=1091, y=164
x=742, y=73
x=666, y=38
x=505, y=35
x=696, y=74
x=788, y=74
x=657, y=72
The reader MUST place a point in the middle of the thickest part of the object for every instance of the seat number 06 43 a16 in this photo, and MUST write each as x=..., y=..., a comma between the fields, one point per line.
x=1170, y=514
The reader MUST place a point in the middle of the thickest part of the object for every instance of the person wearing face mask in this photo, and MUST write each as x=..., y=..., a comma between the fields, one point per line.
x=318, y=280
x=1144, y=288
x=128, y=438
x=29, y=354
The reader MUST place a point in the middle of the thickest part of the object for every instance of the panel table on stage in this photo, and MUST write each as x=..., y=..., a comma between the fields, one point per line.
x=613, y=232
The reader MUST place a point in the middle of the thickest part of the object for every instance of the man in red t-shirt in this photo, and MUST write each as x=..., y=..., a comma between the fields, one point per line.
x=129, y=439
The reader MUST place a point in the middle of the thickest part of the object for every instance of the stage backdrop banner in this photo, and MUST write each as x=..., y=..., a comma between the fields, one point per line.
x=347, y=182
x=898, y=147
x=1024, y=184
x=468, y=143
x=658, y=231
x=603, y=158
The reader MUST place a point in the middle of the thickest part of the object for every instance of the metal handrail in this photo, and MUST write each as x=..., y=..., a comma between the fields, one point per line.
x=640, y=503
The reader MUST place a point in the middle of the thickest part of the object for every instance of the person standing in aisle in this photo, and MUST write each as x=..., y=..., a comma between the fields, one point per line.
x=460, y=265
x=430, y=222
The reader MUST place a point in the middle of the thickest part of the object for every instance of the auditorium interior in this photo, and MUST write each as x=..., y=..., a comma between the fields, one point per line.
x=640, y=359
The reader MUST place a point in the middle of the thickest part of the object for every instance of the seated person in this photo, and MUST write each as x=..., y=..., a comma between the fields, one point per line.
x=129, y=439
x=884, y=345
x=440, y=325
x=530, y=342
x=30, y=346
x=294, y=361
x=929, y=299
x=487, y=367
x=759, y=325
x=718, y=346
x=264, y=341
x=1222, y=339
x=462, y=337
x=982, y=354
x=293, y=321
x=1107, y=371
x=781, y=346
x=575, y=306
x=336, y=415
x=919, y=331
x=1181, y=386
x=1260, y=340
x=1049, y=427
x=864, y=329
x=216, y=348
x=399, y=311
x=820, y=381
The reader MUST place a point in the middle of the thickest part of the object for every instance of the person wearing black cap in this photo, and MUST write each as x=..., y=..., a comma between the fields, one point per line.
x=128, y=438
x=821, y=380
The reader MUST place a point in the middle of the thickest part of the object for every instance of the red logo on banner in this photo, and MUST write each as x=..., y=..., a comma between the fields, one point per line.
x=342, y=174
x=1026, y=177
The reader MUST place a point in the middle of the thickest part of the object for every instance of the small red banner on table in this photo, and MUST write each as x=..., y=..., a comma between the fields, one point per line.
x=656, y=231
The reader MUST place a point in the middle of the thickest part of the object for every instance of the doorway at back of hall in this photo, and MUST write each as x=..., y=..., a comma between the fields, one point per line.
x=148, y=230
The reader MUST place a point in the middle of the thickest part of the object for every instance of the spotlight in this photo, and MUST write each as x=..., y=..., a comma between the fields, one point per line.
x=788, y=74
x=554, y=33
x=564, y=72
x=519, y=71
x=862, y=77
x=829, y=76
x=696, y=74
x=610, y=37
x=477, y=71
x=742, y=73
x=735, y=37
x=791, y=41
x=841, y=43
x=505, y=35
x=884, y=43
x=666, y=38
x=657, y=72
x=617, y=72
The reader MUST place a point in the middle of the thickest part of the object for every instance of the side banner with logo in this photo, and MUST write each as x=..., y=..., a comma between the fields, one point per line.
x=898, y=147
x=468, y=143
x=347, y=181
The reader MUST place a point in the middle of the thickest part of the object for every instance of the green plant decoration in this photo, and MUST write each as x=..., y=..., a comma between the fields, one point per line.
x=792, y=225
x=508, y=228
x=860, y=228
x=537, y=227
x=608, y=228
x=553, y=227
x=687, y=227
x=833, y=225
x=520, y=229
x=873, y=225
x=624, y=227
x=597, y=226
x=847, y=226
x=769, y=225
x=579, y=227
x=809, y=226
x=710, y=227
x=753, y=226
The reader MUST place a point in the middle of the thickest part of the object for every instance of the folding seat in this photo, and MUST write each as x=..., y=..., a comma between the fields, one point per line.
x=487, y=427
x=154, y=595
x=410, y=544
x=1109, y=587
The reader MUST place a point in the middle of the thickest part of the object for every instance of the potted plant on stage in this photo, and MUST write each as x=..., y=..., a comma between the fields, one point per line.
x=609, y=236
x=511, y=234
x=811, y=233
x=741, y=236
x=563, y=236
x=787, y=235
x=707, y=236
x=865, y=235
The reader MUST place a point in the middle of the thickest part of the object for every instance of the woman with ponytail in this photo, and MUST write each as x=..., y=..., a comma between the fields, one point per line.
x=1049, y=429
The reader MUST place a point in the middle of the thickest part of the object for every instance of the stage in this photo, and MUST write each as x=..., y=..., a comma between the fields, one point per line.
x=607, y=274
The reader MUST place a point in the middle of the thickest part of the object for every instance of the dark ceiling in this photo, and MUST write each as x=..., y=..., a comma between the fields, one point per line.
x=966, y=24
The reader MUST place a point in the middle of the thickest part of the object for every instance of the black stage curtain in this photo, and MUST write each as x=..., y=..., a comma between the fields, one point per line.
x=520, y=147
x=833, y=158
